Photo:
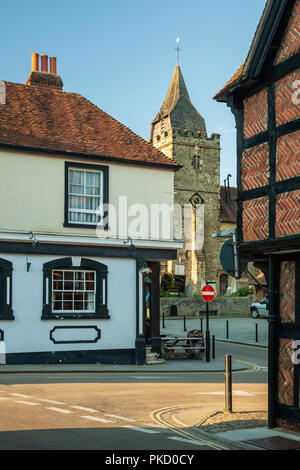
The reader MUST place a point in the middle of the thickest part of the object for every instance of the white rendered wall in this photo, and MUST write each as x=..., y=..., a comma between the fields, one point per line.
x=28, y=333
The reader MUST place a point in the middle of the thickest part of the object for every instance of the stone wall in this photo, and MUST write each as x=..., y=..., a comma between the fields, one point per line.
x=190, y=306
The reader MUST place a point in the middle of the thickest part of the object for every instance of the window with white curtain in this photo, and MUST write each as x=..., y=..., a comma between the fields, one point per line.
x=85, y=196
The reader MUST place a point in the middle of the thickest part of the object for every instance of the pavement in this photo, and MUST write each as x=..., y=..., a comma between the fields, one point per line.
x=248, y=438
x=240, y=331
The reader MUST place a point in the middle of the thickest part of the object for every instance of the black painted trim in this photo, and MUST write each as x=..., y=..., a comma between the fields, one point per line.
x=257, y=139
x=254, y=193
x=104, y=356
x=6, y=311
x=85, y=166
x=288, y=413
x=66, y=263
x=238, y=112
x=98, y=335
x=272, y=159
x=281, y=130
x=263, y=43
x=140, y=341
x=288, y=128
x=288, y=185
x=253, y=249
x=87, y=250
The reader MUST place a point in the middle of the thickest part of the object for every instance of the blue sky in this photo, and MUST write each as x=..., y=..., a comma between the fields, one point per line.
x=121, y=54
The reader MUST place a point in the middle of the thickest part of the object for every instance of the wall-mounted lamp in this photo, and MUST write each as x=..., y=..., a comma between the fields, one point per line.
x=35, y=242
x=145, y=271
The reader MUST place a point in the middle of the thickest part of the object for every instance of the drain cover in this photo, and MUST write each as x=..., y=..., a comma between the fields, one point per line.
x=275, y=443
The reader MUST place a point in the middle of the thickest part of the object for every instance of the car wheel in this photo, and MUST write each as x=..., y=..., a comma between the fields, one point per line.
x=254, y=313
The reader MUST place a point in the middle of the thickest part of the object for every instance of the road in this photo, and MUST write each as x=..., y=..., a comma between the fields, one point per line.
x=120, y=411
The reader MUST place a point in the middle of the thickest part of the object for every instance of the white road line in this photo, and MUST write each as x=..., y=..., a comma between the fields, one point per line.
x=59, y=410
x=131, y=420
x=134, y=428
x=20, y=395
x=53, y=402
x=85, y=409
x=238, y=393
x=30, y=403
x=101, y=420
x=189, y=441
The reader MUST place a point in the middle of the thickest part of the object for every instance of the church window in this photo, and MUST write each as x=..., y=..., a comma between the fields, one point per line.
x=196, y=162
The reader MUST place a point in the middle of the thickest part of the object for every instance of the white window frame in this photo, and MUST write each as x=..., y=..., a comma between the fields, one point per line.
x=74, y=291
x=97, y=212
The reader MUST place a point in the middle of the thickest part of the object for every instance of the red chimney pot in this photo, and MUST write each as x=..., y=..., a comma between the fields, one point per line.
x=53, y=65
x=44, y=63
x=35, y=62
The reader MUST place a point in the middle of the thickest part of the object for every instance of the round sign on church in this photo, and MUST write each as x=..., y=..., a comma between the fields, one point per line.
x=208, y=293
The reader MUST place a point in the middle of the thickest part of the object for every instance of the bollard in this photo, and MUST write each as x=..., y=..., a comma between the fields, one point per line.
x=227, y=329
x=184, y=325
x=213, y=347
x=163, y=325
x=228, y=384
x=256, y=332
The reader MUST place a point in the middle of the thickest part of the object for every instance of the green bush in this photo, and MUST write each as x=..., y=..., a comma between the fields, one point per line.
x=244, y=291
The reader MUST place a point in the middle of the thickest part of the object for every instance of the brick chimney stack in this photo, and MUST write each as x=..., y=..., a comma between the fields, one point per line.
x=42, y=78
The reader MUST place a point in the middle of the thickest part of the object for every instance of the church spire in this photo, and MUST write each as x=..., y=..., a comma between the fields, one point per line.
x=179, y=108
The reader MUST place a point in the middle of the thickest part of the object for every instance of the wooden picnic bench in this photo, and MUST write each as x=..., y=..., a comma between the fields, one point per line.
x=182, y=346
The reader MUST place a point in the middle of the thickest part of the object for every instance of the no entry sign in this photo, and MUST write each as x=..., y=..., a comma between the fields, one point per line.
x=208, y=293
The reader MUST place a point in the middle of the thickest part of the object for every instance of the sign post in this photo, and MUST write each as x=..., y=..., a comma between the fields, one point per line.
x=208, y=294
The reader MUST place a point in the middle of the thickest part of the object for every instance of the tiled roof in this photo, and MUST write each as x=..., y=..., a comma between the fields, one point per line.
x=46, y=118
x=228, y=205
x=234, y=79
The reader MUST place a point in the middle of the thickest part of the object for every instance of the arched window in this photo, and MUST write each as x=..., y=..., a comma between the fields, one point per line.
x=6, y=311
x=74, y=288
x=196, y=162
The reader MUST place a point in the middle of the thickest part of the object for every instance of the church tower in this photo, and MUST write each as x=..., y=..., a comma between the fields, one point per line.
x=179, y=131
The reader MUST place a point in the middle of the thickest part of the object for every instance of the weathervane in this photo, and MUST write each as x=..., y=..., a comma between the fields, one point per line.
x=178, y=50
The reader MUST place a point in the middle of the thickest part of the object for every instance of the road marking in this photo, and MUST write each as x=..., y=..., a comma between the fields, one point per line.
x=134, y=428
x=30, y=403
x=85, y=409
x=20, y=395
x=53, y=402
x=101, y=420
x=121, y=417
x=156, y=425
x=238, y=393
x=59, y=410
x=189, y=441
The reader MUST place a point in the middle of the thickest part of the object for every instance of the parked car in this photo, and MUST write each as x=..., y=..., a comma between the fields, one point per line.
x=259, y=308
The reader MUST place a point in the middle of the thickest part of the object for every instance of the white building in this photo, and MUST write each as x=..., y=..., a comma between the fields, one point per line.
x=71, y=288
